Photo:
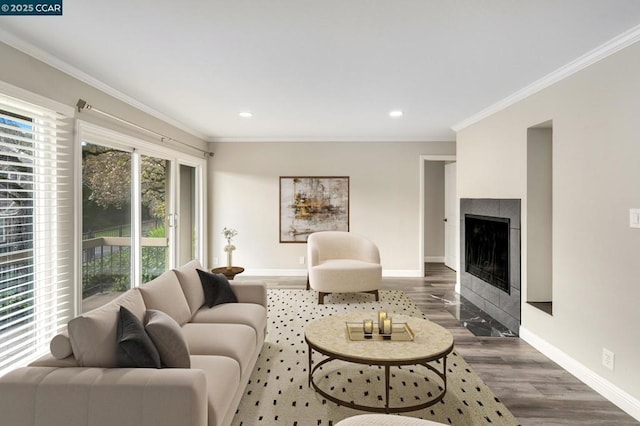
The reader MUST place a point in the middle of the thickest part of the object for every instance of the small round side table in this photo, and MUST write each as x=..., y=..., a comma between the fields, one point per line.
x=230, y=273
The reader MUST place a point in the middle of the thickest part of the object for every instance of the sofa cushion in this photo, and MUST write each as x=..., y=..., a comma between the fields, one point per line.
x=191, y=285
x=60, y=345
x=216, y=289
x=250, y=291
x=223, y=379
x=168, y=339
x=236, y=341
x=135, y=347
x=109, y=396
x=93, y=334
x=165, y=294
x=249, y=314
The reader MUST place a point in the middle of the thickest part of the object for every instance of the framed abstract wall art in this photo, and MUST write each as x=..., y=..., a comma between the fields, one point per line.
x=312, y=203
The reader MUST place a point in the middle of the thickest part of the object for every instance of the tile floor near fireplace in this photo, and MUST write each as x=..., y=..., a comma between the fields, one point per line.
x=470, y=316
x=473, y=318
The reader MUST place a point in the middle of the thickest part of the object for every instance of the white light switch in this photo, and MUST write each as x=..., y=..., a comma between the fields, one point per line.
x=634, y=218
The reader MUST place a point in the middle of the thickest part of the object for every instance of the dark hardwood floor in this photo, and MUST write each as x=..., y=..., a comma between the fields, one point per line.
x=536, y=390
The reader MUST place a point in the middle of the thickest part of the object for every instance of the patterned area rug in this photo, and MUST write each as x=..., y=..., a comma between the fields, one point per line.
x=278, y=391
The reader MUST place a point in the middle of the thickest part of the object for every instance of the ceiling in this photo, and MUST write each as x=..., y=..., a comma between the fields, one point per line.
x=318, y=70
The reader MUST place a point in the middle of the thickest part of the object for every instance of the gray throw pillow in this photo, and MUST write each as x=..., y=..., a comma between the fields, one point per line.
x=134, y=346
x=167, y=336
x=217, y=289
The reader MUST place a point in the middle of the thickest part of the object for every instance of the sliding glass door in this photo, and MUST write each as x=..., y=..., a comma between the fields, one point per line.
x=155, y=180
x=106, y=223
x=131, y=230
x=188, y=240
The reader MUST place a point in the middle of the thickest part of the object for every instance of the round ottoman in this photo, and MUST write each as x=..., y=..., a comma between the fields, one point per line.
x=385, y=420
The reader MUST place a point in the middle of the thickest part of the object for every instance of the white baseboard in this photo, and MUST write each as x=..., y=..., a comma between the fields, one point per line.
x=601, y=385
x=399, y=273
x=276, y=272
x=434, y=259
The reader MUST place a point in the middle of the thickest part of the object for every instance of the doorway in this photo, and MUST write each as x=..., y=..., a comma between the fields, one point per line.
x=450, y=216
x=439, y=228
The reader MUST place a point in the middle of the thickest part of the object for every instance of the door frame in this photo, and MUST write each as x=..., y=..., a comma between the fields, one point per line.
x=450, y=197
x=137, y=146
x=423, y=159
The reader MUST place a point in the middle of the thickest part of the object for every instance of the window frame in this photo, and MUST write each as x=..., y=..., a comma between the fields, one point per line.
x=52, y=292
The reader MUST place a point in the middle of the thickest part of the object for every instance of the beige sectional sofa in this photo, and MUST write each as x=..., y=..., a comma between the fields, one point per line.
x=79, y=383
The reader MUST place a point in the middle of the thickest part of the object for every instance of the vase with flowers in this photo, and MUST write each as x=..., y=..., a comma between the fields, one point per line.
x=228, y=234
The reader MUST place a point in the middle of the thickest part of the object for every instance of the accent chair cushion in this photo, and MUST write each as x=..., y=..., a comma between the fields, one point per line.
x=217, y=289
x=135, y=348
x=385, y=420
x=166, y=335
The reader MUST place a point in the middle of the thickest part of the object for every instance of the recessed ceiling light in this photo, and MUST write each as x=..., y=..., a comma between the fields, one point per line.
x=395, y=113
x=245, y=114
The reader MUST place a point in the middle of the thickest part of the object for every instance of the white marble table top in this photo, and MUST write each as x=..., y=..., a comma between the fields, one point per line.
x=329, y=334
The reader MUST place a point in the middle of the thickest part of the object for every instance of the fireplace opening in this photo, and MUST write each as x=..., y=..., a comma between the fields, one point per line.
x=487, y=249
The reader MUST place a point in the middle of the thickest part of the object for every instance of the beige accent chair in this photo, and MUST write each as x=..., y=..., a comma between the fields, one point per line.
x=342, y=262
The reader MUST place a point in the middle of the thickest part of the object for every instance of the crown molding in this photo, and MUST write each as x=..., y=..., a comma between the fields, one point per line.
x=324, y=139
x=53, y=61
x=614, y=45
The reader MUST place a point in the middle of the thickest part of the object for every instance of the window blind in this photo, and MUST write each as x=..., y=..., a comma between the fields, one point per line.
x=36, y=229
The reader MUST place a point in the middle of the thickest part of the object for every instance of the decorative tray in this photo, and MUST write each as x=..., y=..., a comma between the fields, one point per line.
x=400, y=333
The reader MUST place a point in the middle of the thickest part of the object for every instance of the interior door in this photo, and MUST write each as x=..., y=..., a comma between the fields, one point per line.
x=450, y=217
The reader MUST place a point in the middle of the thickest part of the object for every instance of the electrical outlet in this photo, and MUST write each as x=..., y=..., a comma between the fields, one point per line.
x=608, y=358
x=301, y=260
x=215, y=261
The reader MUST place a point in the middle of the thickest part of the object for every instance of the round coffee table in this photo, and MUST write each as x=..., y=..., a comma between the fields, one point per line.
x=329, y=336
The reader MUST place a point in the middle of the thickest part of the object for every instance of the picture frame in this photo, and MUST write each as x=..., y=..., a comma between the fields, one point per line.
x=311, y=204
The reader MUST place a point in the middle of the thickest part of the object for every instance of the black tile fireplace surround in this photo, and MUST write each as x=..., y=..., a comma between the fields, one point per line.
x=503, y=306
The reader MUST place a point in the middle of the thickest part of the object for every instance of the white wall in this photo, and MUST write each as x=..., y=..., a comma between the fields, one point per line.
x=384, y=198
x=596, y=179
x=434, y=211
x=30, y=74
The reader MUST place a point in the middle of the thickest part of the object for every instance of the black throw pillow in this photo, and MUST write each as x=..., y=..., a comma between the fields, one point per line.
x=217, y=289
x=134, y=346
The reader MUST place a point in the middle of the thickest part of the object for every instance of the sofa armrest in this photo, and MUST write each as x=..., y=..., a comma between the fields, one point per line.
x=250, y=292
x=34, y=396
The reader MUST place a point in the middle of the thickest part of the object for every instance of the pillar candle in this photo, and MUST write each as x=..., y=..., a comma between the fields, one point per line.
x=367, y=326
x=386, y=327
x=382, y=315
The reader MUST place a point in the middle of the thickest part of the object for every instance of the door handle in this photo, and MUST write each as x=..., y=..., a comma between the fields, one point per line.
x=445, y=219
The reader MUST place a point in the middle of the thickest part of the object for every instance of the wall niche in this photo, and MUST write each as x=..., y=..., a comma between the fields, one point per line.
x=540, y=216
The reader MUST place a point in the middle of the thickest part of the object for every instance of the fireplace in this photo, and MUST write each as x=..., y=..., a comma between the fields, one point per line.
x=490, y=257
x=487, y=249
